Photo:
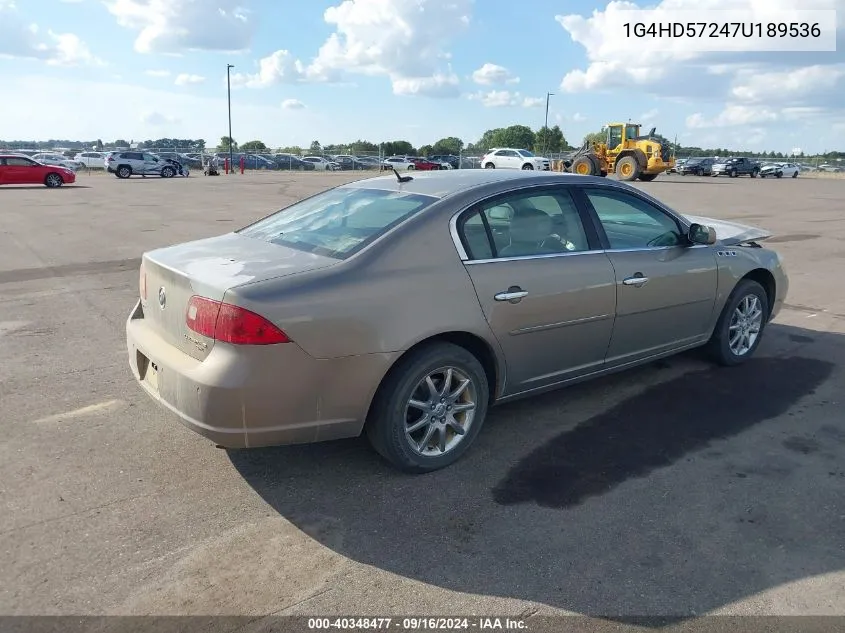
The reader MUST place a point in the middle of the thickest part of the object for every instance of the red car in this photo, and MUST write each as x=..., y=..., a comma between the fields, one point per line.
x=16, y=169
x=422, y=164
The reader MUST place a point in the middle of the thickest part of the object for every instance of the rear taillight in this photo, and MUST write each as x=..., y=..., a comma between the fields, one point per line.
x=231, y=324
x=142, y=282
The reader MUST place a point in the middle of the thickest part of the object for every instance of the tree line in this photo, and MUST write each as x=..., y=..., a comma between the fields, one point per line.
x=541, y=141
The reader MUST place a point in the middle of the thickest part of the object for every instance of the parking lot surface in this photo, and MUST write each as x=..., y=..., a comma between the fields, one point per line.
x=677, y=488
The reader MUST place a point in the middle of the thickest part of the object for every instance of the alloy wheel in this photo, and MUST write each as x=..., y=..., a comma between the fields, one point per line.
x=746, y=323
x=440, y=412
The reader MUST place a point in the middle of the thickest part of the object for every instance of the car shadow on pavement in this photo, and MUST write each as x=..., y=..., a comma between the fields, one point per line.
x=613, y=499
x=35, y=187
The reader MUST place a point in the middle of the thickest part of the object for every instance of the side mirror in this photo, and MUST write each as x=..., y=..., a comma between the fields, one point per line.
x=700, y=234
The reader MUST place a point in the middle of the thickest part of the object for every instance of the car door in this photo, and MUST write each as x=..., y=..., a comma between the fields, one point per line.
x=666, y=287
x=150, y=164
x=22, y=171
x=544, y=285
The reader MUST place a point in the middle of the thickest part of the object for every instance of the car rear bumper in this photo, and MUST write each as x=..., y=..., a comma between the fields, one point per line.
x=251, y=396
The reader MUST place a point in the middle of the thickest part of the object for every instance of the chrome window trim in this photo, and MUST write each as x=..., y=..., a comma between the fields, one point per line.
x=465, y=258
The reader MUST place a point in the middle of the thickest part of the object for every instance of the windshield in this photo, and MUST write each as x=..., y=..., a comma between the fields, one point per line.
x=339, y=222
x=525, y=152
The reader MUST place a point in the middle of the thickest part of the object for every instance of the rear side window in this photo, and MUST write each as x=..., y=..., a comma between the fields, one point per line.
x=339, y=222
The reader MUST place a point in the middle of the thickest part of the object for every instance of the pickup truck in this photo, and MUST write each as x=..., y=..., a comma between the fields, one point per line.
x=733, y=167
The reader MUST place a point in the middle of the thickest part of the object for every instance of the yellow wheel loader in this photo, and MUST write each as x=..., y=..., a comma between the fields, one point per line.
x=625, y=153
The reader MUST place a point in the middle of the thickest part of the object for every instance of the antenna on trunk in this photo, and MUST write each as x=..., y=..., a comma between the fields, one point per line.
x=401, y=178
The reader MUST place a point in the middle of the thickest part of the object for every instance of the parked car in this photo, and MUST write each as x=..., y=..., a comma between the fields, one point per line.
x=733, y=167
x=779, y=170
x=293, y=163
x=351, y=163
x=509, y=158
x=399, y=163
x=182, y=159
x=696, y=167
x=311, y=325
x=454, y=161
x=370, y=162
x=321, y=163
x=678, y=163
x=17, y=169
x=423, y=164
x=48, y=158
x=90, y=160
x=137, y=163
x=830, y=168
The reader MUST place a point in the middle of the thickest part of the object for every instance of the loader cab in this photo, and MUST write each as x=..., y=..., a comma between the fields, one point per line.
x=615, y=137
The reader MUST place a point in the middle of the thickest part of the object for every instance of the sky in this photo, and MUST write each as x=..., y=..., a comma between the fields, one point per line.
x=418, y=70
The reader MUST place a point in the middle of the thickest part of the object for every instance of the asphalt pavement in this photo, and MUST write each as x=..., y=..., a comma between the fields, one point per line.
x=672, y=489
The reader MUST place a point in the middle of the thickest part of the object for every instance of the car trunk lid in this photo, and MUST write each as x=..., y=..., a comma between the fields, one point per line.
x=208, y=268
x=732, y=233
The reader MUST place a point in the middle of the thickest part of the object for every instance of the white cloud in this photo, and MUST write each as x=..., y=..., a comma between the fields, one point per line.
x=801, y=84
x=650, y=116
x=493, y=74
x=174, y=26
x=776, y=79
x=403, y=41
x=279, y=67
x=505, y=98
x=293, y=104
x=21, y=40
x=158, y=119
x=186, y=79
x=732, y=115
x=157, y=73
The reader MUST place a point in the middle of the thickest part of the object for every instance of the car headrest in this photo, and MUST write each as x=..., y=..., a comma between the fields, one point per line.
x=530, y=225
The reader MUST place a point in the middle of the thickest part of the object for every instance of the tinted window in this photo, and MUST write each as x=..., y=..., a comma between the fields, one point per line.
x=338, y=222
x=526, y=224
x=631, y=222
x=18, y=161
x=526, y=153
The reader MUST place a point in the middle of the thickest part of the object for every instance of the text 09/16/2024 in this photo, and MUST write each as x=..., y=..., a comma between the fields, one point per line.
x=648, y=31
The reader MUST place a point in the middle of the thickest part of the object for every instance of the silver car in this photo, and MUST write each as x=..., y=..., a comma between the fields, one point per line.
x=404, y=306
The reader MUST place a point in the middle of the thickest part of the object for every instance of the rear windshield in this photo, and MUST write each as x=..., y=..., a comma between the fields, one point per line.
x=338, y=222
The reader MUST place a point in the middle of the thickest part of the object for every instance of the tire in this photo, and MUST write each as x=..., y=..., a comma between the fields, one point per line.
x=648, y=177
x=719, y=347
x=732, y=174
x=53, y=180
x=753, y=174
x=388, y=418
x=795, y=175
x=627, y=168
x=583, y=166
x=528, y=167
x=779, y=175
x=123, y=171
x=489, y=166
x=168, y=172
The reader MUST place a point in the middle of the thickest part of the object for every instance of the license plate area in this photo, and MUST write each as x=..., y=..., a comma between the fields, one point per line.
x=148, y=371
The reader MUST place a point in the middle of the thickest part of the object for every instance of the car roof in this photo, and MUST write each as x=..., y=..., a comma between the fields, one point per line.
x=440, y=184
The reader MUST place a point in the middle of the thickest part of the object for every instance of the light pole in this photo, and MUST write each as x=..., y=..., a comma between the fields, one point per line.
x=546, y=126
x=229, y=67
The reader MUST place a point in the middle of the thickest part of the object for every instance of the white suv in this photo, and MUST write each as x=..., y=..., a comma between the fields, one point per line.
x=92, y=160
x=322, y=164
x=509, y=158
x=135, y=163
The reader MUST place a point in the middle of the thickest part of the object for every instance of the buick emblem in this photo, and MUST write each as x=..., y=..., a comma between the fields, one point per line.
x=162, y=298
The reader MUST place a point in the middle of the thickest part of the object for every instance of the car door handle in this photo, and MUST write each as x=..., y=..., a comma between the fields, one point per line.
x=514, y=294
x=637, y=280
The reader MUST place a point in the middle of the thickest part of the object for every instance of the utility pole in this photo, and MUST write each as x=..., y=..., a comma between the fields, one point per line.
x=546, y=126
x=229, y=67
